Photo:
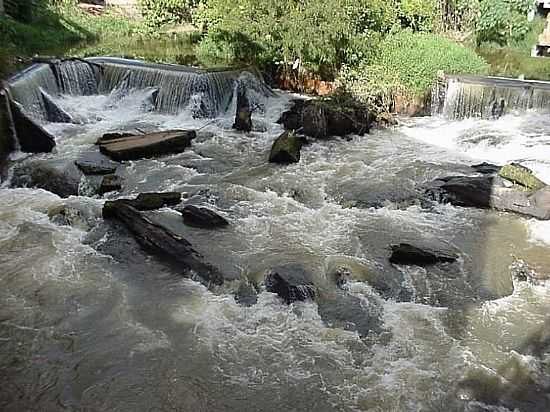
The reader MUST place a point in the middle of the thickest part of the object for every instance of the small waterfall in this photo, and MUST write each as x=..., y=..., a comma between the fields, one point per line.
x=179, y=87
x=77, y=78
x=26, y=88
x=486, y=97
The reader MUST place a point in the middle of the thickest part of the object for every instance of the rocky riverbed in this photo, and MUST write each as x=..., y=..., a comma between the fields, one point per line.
x=332, y=278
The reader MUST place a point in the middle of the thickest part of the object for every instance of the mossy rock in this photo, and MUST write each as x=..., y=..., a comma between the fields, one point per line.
x=521, y=176
x=286, y=149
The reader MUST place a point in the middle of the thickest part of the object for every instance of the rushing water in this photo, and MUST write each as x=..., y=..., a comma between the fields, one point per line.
x=80, y=330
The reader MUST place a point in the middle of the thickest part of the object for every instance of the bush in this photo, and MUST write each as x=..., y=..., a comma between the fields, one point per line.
x=419, y=15
x=160, y=12
x=503, y=21
x=322, y=34
x=408, y=63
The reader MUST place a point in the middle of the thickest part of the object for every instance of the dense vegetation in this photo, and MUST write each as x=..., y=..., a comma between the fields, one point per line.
x=374, y=49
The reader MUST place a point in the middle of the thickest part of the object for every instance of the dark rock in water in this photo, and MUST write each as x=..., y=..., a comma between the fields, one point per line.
x=486, y=168
x=54, y=113
x=521, y=176
x=162, y=242
x=320, y=119
x=110, y=183
x=406, y=254
x=286, y=149
x=352, y=313
x=246, y=295
x=291, y=282
x=32, y=137
x=202, y=217
x=96, y=164
x=147, y=145
x=522, y=272
x=59, y=177
x=314, y=121
x=243, y=117
x=107, y=137
x=151, y=201
x=292, y=118
x=490, y=192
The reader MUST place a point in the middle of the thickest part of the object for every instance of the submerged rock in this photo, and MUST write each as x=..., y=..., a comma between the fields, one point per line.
x=71, y=215
x=521, y=176
x=32, y=137
x=110, y=183
x=54, y=113
x=243, y=116
x=147, y=145
x=246, y=294
x=286, y=149
x=349, y=312
x=291, y=282
x=162, y=242
x=202, y=217
x=56, y=176
x=96, y=164
x=406, y=254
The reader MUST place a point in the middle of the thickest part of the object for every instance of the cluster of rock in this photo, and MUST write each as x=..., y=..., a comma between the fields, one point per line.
x=317, y=119
x=510, y=188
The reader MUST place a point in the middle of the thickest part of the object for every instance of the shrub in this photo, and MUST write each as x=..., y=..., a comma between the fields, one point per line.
x=408, y=63
x=322, y=34
x=419, y=15
x=503, y=21
x=159, y=12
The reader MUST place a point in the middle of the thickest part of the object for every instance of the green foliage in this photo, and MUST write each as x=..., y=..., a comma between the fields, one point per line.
x=322, y=34
x=419, y=15
x=407, y=64
x=160, y=12
x=502, y=21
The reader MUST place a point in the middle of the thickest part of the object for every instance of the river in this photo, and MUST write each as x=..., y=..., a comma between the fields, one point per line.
x=83, y=331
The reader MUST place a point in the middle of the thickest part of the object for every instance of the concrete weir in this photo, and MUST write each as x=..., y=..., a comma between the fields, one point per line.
x=459, y=97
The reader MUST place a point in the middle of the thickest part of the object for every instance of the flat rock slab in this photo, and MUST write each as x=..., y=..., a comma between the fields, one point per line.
x=147, y=145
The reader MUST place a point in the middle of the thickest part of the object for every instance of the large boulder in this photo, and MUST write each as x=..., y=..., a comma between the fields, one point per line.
x=407, y=254
x=147, y=145
x=156, y=200
x=286, y=149
x=291, y=282
x=491, y=192
x=56, y=176
x=324, y=118
x=164, y=243
x=202, y=217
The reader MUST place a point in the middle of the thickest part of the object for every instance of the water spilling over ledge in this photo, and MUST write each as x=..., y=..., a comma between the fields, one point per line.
x=461, y=97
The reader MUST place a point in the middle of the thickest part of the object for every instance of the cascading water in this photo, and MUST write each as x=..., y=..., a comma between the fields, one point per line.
x=80, y=330
x=26, y=87
x=77, y=77
x=464, y=97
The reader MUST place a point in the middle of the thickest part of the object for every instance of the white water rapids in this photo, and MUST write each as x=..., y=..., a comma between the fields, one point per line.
x=80, y=330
